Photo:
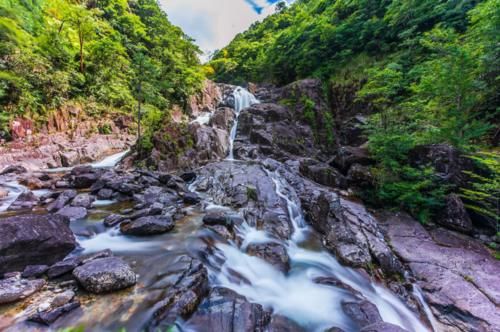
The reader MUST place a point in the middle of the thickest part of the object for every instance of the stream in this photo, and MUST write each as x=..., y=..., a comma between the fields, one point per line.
x=295, y=294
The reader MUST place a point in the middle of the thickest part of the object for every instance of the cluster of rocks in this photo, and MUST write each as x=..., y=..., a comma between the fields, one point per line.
x=33, y=258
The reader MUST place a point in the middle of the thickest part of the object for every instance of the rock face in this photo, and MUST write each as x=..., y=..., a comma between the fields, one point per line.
x=458, y=276
x=105, y=275
x=186, y=286
x=14, y=289
x=34, y=239
x=455, y=216
x=225, y=310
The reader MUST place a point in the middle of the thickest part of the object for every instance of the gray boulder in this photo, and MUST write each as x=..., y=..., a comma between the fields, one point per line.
x=148, y=225
x=34, y=239
x=105, y=275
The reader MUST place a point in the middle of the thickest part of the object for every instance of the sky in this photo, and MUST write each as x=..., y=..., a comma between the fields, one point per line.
x=214, y=23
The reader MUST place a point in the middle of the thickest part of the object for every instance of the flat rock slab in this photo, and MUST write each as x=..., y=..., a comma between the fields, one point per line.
x=14, y=289
x=105, y=275
x=34, y=240
x=458, y=276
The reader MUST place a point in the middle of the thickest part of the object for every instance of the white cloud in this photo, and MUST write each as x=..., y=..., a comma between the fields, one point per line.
x=213, y=23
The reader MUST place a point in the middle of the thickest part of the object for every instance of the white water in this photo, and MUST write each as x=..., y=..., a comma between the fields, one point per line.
x=295, y=294
x=108, y=162
x=14, y=189
x=203, y=118
x=242, y=99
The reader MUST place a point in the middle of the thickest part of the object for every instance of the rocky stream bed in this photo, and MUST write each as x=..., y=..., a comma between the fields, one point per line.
x=256, y=232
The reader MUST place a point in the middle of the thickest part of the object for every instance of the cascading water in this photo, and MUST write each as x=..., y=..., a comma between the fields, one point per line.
x=242, y=99
x=297, y=294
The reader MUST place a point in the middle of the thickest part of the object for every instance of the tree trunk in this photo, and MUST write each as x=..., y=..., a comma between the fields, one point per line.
x=80, y=36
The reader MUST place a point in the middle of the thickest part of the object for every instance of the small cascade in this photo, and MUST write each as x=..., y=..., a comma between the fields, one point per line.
x=242, y=99
x=299, y=293
x=14, y=189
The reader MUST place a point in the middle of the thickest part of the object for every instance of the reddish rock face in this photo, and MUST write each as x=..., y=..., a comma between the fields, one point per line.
x=21, y=128
x=207, y=100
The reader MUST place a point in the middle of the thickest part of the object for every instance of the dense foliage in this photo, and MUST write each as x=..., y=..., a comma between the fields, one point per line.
x=428, y=68
x=103, y=54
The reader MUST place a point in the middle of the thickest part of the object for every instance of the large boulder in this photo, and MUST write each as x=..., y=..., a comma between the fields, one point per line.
x=147, y=225
x=105, y=275
x=34, y=239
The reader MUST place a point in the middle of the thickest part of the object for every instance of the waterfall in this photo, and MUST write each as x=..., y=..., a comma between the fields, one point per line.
x=297, y=294
x=242, y=99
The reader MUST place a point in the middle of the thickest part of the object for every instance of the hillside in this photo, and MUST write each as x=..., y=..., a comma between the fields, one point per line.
x=101, y=55
x=422, y=73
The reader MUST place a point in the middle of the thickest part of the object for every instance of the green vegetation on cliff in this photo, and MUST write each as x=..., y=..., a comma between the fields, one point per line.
x=96, y=53
x=428, y=72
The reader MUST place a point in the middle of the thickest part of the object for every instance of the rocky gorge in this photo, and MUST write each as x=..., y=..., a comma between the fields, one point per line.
x=247, y=223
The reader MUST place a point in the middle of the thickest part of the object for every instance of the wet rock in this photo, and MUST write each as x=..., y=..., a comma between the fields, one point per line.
x=156, y=209
x=129, y=188
x=273, y=253
x=191, y=198
x=113, y=220
x=105, y=194
x=217, y=218
x=82, y=169
x=363, y=313
x=105, y=275
x=3, y=193
x=280, y=323
x=455, y=216
x=34, y=271
x=188, y=177
x=54, y=307
x=69, y=264
x=225, y=310
x=26, y=200
x=63, y=199
x=16, y=169
x=457, y=274
x=86, y=180
x=83, y=200
x=14, y=288
x=73, y=212
x=382, y=327
x=34, y=239
x=149, y=225
x=187, y=284
x=222, y=118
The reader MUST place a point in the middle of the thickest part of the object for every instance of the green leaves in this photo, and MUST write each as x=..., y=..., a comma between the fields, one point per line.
x=55, y=51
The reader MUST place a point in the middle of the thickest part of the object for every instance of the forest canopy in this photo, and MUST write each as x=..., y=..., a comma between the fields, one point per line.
x=96, y=53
